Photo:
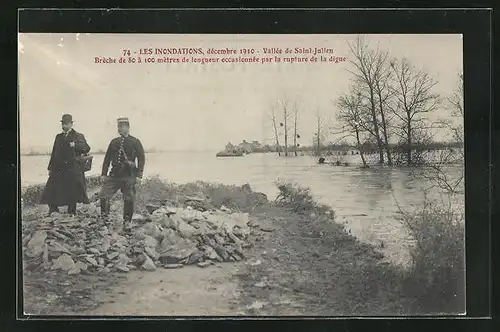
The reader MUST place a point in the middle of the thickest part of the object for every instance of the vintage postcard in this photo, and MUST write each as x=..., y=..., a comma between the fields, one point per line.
x=242, y=174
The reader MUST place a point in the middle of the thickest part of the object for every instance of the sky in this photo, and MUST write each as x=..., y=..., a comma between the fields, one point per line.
x=193, y=106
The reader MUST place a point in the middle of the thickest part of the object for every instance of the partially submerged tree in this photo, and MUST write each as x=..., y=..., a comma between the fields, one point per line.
x=283, y=112
x=318, y=135
x=295, y=133
x=414, y=100
x=350, y=117
x=438, y=173
x=384, y=95
x=287, y=109
x=368, y=65
x=275, y=129
x=456, y=123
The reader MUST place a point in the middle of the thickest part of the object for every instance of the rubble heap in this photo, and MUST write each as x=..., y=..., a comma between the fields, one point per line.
x=165, y=236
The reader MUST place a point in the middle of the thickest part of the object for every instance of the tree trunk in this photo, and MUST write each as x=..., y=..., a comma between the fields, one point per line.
x=361, y=153
x=286, y=137
x=384, y=130
x=276, y=136
x=295, y=133
x=376, y=128
x=409, y=145
x=295, y=139
x=318, y=133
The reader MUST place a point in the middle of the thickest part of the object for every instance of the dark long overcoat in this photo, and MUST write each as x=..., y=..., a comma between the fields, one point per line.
x=66, y=183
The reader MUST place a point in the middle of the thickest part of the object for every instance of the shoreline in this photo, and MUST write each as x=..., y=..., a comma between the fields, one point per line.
x=306, y=150
x=299, y=250
x=273, y=217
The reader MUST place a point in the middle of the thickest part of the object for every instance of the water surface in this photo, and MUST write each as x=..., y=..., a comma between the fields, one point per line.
x=366, y=200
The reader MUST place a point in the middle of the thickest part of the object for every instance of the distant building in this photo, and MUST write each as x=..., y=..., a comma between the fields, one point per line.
x=250, y=147
x=245, y=146
x=230, y=148
x=256, y=144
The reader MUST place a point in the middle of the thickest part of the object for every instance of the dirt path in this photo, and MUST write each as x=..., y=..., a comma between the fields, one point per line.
x=223, y=289
x=188, y=291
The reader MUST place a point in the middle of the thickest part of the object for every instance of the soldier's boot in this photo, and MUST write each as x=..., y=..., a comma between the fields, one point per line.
x=53, y=208
x=104, y=208
x=128, y=211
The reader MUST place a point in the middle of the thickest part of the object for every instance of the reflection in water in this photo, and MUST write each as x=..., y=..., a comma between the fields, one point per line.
x=376, y=185
x=366, y=200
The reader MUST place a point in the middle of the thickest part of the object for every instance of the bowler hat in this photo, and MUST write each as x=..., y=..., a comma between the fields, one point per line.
x=67, y=118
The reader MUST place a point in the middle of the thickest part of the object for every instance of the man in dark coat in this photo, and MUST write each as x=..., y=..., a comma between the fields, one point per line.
x=66, y=184
x=122, y=153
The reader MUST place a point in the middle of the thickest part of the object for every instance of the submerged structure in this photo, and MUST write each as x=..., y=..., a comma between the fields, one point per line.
x=231, y=151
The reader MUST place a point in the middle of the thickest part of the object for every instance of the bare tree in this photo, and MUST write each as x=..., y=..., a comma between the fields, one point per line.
x=437, y=172
x=367, y=67
x=384, y=94
x=362, y=118
x=414, y=98
x=287, y=108
x=457, y=99
x=350, y=116
x=456, y=104
x=275, y=128
x=319, y=132
x=295, y=118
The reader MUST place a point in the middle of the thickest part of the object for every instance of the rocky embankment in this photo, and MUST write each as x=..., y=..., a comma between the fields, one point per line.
x=164, y=236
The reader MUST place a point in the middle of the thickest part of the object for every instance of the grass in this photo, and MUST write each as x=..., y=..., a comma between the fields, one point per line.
x=31, y=195
x=239, y=198
x=315, y=259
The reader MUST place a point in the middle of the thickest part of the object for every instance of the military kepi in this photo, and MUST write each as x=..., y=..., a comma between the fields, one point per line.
x=122, y=120
x=67, y=118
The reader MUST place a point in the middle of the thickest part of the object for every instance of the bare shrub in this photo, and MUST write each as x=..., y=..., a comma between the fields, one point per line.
x=155, y=191
x=234, y=197
x=437, y=274
x=295, y=197
x=439, y=173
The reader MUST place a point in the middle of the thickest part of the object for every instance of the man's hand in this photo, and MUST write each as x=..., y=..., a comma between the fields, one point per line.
x=104, y=178
x=138, y=180
x=72, y=144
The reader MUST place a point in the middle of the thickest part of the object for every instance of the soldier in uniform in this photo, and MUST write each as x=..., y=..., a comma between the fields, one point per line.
x=66, y=184
x=122, y=153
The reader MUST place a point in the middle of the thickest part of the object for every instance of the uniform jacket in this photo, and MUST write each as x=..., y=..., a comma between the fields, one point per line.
x=134, y=153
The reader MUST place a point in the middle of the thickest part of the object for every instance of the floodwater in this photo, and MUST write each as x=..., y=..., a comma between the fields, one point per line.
x=366, y=200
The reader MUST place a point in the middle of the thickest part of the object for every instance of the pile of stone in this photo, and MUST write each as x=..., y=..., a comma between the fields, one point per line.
x=165, y=236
